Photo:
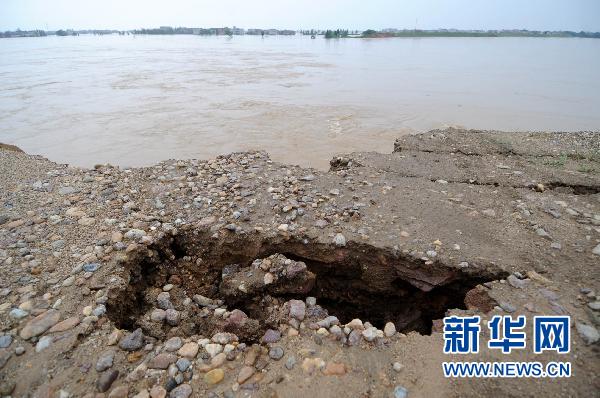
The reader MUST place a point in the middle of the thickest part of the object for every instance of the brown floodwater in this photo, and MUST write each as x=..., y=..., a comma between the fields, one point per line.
x=137, y=100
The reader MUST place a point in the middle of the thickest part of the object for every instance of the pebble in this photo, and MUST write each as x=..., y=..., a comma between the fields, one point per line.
x=105, y=361
x=213, y=349
x=271, y=336
x=594, y=305
x=182, y=364
x=43, y=343
x=397, y=366
x=588, y=333
x=172, y=317
x=99, y=310
x=290, y=362
x=224, y=338
x=489, y=212
x=508, y=307
x=158, y=315
x=297, y=309
x=158, y=392
x=106, y=379
x=245, y=373
x=65, y=325
x=189, y=350
x=91, y=267
x=356, y=324
x=114, y=337
x=119, y=392
x=400, y=392
x=182, y=391
x=162, y=361
x=354, y=337
x=135, y=234
x=337, y=331
x=516, y=282
x=218, y=360
x=339, y=240
x=17, y=313
x=40, y=324
x=389, y=330
x=276, y=353
x=542, y=232
x=214, y=376
x=164, y=301
x=328, y=322
x=5, y=340
x=596, y=250
x=370, y=333
x=133, y=341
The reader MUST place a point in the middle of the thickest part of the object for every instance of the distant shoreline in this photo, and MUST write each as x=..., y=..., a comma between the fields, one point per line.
x=328, y=34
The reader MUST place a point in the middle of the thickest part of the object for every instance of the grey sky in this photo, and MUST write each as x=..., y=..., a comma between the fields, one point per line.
x=353, y=14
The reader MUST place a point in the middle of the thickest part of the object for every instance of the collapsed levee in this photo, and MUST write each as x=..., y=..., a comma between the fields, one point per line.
x=197, y=282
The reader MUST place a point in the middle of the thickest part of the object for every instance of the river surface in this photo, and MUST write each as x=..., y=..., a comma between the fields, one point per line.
x=136, y=100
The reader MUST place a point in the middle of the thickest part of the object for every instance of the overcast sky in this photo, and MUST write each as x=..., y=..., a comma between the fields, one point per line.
x=353, y=14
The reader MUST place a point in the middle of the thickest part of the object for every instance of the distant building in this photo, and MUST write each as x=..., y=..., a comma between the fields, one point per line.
x=237, y=31
x=287, y=32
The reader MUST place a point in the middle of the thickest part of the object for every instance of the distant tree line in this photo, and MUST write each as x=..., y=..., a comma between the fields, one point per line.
x=370, y=33
x=69, y=32
x=328, y=34
x=23, y=33
x=336, y=34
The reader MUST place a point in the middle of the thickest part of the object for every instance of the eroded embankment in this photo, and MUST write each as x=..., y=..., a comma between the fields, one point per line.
x=258, y=275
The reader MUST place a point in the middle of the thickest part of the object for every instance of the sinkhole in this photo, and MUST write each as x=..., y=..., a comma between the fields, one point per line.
x=258, y=274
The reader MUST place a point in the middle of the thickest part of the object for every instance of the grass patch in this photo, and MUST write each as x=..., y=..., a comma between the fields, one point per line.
x=557, y=162
x=586, y=168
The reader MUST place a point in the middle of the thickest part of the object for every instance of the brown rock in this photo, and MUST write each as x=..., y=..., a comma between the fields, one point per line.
x=119, y=392
x=14, y=224
x=218, y=360
x=40, y=324
x=334, y=369
x=134, y=356
x=65, y=325
x=215, y=376
x=116, y=237
x=245, y=373
x=189, y=350
x=251, y=356
x=162, y=361
x=158, y=392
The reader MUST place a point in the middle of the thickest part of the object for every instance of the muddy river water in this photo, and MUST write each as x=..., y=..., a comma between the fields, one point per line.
x=135, y=100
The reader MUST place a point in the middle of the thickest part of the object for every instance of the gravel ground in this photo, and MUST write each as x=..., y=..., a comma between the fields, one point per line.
x=239, y=277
